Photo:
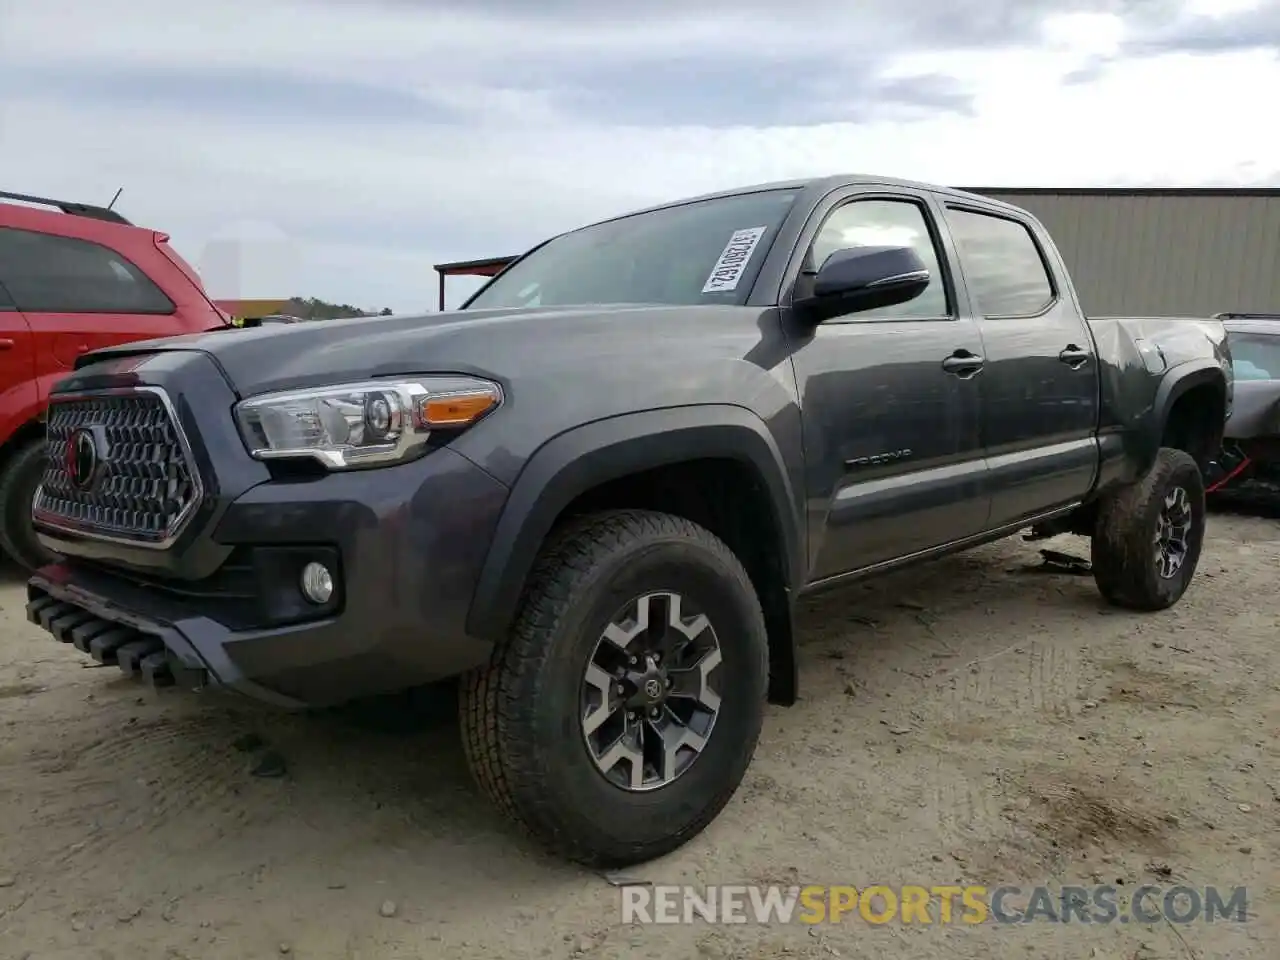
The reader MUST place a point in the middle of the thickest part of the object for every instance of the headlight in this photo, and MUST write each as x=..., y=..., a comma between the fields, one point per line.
x=356, y=424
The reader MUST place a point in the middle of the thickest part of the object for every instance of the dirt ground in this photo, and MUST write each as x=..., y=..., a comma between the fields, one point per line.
x=966, y=722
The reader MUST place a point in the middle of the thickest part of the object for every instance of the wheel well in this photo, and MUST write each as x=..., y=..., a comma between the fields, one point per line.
x=1195, y=423
x=728, y=498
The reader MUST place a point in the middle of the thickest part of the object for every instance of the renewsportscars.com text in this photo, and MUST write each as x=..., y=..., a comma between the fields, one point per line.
x=942, y=904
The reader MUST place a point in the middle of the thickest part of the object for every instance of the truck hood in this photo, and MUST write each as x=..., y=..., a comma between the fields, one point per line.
x=488, y=343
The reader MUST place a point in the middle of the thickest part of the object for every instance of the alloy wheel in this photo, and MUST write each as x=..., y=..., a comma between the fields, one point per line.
x=1173, y=533
x=648, y=700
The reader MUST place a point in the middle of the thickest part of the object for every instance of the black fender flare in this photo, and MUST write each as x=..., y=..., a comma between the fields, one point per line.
x=1173, y=385
x=580, y=459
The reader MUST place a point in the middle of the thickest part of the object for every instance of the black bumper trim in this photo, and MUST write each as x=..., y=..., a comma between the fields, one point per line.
x=138, y=654
x=146, y=647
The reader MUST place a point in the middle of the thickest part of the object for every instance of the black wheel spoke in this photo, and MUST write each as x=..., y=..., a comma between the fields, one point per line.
x=693, y=683
x=608, y=690
x=626, y=751
x=656, y=630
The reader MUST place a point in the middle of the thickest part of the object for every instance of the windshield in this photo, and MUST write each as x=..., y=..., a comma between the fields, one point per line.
x=1255, y=357
x=707, y=252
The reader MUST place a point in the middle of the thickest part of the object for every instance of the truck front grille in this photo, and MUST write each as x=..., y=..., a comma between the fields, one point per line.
x=118, y=467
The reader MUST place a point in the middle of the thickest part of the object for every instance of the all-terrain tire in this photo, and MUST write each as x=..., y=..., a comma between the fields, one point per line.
x=18, y=482
x=1124, y=550
x=521, y=715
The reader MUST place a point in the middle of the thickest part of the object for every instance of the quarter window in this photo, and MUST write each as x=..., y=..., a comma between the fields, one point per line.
x=1002, y=264
x=50, y=274
x=879, y=223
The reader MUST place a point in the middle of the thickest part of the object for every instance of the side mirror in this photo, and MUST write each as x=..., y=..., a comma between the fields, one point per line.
x=865, y=278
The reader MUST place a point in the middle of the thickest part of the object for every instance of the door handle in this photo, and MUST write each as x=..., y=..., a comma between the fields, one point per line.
x=963, y=364
x=6, y=344
x=1074, y=357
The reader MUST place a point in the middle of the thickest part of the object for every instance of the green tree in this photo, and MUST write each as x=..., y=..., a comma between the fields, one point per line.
x=313, y=308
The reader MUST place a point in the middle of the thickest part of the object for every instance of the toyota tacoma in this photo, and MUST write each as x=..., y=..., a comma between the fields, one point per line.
x=595, y=492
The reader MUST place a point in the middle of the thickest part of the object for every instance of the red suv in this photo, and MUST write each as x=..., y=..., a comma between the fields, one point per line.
x=73, y=278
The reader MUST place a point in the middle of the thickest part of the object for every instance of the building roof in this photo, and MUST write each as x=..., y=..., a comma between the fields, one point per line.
x=487, y=267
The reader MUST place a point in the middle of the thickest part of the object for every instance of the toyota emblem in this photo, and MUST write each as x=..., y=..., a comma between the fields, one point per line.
x=82, y=458
x=652, y=689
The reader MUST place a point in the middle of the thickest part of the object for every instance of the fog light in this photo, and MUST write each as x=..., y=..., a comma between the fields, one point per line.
x=317, y=583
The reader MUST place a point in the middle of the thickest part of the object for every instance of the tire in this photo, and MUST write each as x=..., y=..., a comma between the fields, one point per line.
x=524, y=719
x=1124, y=550
x=18, y=482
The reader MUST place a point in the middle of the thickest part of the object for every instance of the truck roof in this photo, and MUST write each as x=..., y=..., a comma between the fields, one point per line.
x=822, y=186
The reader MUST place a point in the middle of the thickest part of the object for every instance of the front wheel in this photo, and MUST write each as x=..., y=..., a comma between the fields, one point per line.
x=1148, y=536
x=620, y=715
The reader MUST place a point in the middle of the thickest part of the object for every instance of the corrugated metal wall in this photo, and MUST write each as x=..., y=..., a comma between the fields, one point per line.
x=1148, y=252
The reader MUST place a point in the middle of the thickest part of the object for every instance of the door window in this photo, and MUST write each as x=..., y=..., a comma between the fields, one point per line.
x=886, y=223
x=50, y=274
x=1002, y=264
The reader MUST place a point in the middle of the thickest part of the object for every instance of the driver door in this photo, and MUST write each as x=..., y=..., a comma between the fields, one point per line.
x=894, y=458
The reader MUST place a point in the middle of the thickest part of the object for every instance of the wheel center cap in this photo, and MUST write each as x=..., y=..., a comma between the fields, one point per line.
x=648, y=685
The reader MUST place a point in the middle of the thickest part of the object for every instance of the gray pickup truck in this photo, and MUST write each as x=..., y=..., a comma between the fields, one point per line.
x=595, y=493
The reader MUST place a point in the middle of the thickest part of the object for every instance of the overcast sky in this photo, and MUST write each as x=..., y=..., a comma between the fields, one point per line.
x=348, y=145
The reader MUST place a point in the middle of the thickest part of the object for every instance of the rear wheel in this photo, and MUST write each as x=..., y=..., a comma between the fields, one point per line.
x=1148, y=536
x=18, y=482
x=621, y=714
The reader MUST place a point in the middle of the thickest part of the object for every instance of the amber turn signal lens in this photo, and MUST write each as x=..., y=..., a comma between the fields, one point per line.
x=457, y=409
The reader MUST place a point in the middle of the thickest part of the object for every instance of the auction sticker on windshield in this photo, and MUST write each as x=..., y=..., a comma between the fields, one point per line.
x=728, y=269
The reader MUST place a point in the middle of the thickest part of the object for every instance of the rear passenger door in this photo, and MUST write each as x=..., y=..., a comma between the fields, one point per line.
x=893, y=455
x=77, y=296
x=1040, y=382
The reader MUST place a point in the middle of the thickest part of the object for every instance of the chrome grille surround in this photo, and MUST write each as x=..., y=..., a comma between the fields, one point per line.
x=145, y=487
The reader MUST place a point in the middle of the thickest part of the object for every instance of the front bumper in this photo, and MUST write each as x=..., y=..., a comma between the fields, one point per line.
x=407, y=543
x=412, y=540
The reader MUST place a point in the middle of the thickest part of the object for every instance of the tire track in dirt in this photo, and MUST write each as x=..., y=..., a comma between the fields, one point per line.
x=966, y=806
x=1041, y=675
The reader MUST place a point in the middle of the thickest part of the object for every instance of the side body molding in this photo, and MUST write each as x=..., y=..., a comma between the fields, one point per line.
x=582, y=458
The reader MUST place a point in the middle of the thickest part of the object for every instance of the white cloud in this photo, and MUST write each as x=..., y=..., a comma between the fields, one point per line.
x=368, y=205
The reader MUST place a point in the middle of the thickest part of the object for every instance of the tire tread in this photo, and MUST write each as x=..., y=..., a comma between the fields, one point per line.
x=493, y=715
x=1121, y=548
